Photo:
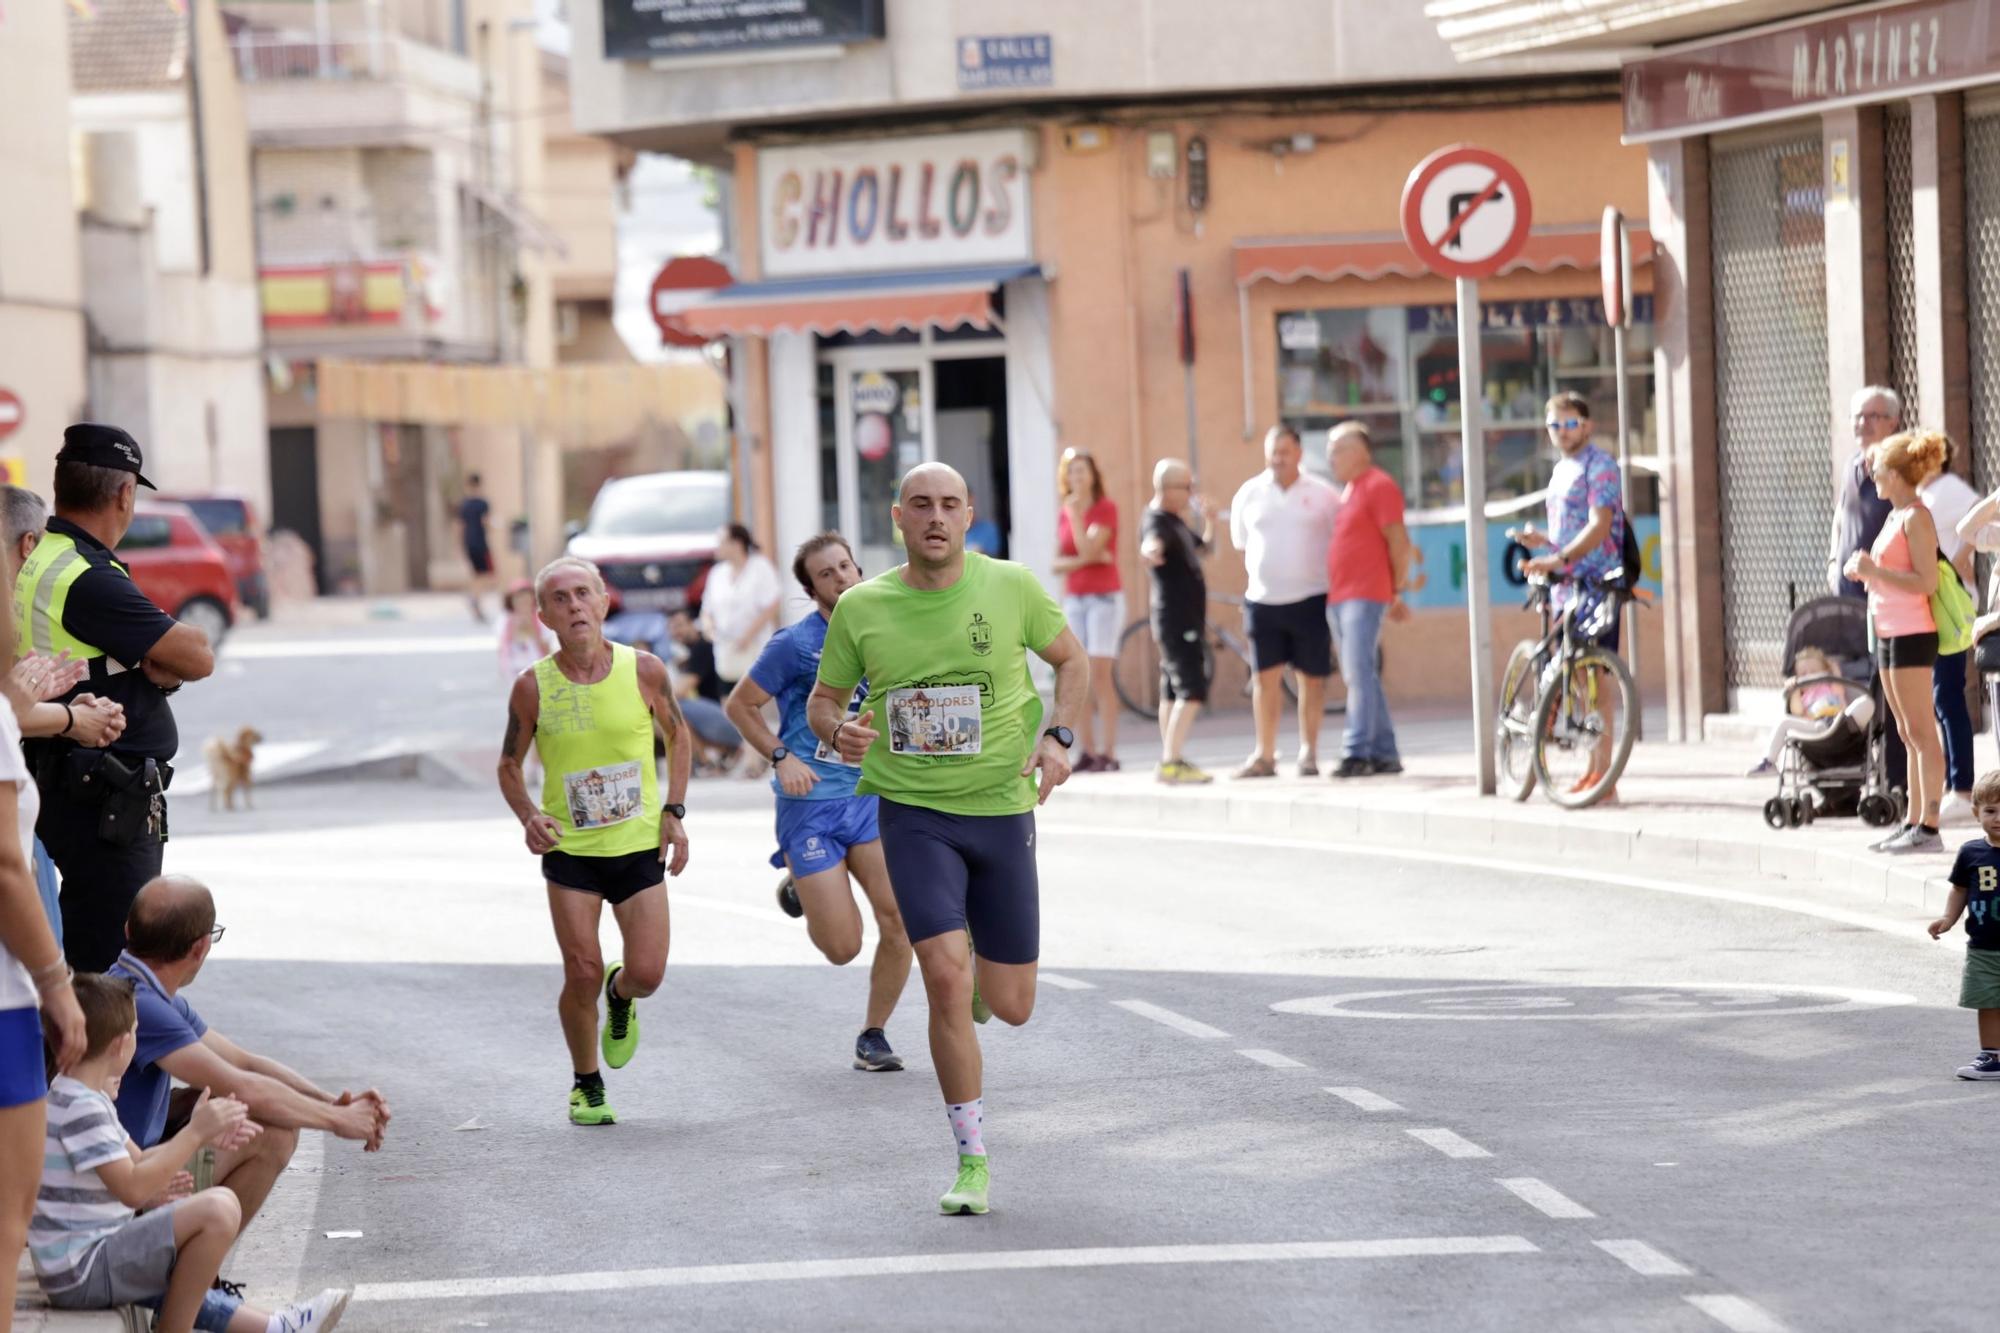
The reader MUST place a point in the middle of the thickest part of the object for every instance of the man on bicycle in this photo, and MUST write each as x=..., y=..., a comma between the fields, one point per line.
x=1587, y=531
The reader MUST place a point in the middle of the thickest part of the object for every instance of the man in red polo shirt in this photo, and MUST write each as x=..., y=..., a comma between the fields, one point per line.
x=1368, y=566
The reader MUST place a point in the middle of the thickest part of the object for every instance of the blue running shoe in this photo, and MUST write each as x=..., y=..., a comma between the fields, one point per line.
x=872, y=1053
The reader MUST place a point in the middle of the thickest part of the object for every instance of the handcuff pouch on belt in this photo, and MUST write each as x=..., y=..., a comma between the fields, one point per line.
x=126, y=793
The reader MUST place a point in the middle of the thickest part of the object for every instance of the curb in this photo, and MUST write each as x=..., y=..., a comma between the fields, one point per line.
x=1496, y=825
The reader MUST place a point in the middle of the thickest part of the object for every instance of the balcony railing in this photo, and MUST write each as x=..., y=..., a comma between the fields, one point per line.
x=266, y=58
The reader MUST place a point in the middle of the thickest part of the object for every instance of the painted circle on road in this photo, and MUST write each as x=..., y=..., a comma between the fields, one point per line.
x=1599, y=1002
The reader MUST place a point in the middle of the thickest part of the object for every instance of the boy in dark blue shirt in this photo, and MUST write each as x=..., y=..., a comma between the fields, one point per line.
x=1975, y=892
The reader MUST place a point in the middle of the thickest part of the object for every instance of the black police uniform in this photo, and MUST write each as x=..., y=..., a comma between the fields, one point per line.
x=104, y=816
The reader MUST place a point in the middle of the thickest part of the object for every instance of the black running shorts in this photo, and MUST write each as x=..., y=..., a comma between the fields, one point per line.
x=965, y=872
x=612, y=878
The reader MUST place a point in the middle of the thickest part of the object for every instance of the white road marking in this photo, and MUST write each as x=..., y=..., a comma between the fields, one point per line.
x=1736, y=1314
x=962, y=1262
x=1448, y=1143
x=240, y=651
x=1061, y=982
x=1544, y=1197
x=1364, y=1100
x=1747, y=999
x=1908, y=930
x=1643, y=1259
x=1180, y=1022
x=1272, y=1059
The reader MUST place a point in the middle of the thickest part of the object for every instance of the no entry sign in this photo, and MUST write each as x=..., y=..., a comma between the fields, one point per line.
x=12, y=414
x=1465, y=212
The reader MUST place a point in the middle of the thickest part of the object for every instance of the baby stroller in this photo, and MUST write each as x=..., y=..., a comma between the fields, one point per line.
x=1841, y=769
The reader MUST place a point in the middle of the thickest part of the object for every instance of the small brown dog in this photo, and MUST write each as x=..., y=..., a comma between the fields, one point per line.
x=229, y=768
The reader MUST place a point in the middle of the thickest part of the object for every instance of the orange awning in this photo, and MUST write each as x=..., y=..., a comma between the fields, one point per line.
x=883, y=303
x=1375, y=255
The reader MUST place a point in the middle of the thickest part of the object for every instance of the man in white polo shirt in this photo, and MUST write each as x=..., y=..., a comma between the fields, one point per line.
x=1282, y=521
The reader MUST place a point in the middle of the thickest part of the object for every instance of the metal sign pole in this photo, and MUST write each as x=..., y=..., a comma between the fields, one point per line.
x=1631, y=612
x=1472, y=443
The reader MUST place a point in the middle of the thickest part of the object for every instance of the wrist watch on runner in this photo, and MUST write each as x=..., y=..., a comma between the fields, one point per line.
x=1062, y=736
x=677, y=811
x=779, y=755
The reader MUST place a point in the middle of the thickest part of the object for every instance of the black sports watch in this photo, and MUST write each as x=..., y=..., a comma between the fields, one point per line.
x=677, y=811
x=779, y=755
x=1063, y=736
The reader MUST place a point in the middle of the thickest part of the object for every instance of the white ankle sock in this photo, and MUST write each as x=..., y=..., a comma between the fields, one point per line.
x=967, y=1119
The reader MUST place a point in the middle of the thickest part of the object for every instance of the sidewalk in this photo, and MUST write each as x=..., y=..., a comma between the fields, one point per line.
x=1679, y=807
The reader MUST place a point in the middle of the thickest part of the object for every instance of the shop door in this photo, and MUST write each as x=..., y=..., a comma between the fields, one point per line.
x=884, y=427
x=1772, y=416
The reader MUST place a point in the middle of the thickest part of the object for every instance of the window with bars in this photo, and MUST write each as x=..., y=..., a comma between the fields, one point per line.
x=1899, y=189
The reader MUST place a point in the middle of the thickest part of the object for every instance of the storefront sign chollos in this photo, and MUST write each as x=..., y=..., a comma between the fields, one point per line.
x=930, y=202
x=662, y=29
x=1867, y=55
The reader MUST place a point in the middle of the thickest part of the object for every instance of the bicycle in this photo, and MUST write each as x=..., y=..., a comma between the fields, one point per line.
x=1136, y=676
x=1550, y=716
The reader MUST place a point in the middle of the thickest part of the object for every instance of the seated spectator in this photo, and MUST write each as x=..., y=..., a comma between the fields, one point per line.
x=1813, y=707
x=168, y=935
x=90, y=1248
x=694, y=656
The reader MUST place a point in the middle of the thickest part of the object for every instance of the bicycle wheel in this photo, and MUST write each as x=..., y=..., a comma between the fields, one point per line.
x=1591, y=701
x=1136, y=673
x=1514, y=724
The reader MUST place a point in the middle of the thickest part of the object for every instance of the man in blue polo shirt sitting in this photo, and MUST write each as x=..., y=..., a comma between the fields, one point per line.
x=825, y=831
x=168, y=935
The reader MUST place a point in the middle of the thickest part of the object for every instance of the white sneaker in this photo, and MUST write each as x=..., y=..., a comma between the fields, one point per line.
x=1896, y=839
x=1956, y=810
x=316, y=1315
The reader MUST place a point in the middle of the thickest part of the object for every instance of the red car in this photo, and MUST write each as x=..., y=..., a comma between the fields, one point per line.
x=181, y=568
x=233, y=523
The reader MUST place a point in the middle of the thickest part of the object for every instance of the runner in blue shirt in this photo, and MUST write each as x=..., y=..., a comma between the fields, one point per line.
x=825, y=832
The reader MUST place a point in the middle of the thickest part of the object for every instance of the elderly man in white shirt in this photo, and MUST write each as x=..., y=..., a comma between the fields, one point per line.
x=1282, y=521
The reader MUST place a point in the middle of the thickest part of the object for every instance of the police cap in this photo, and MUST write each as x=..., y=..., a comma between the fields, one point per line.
x=104, y=446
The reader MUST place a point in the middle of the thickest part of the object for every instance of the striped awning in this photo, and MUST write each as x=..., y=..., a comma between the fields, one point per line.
x=1379, y=254
x=874, y=303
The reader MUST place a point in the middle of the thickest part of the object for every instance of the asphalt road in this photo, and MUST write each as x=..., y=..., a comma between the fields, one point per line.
x=1561, y=1103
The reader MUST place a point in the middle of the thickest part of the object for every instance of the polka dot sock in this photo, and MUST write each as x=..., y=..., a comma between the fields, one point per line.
x=967, y=1119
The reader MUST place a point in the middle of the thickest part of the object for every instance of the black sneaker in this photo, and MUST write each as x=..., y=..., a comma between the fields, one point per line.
x=1354, y=767
x=872, y=1053
x=788, y=898
x=1386, y=766
x=1985, y=1066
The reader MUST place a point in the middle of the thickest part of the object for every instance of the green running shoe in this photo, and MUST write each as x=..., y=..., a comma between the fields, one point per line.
x=587, y=1106
x=621, y=1024
x=968, y=1195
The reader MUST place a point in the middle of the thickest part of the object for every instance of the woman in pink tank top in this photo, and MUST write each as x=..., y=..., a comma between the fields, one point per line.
x=1901, y=572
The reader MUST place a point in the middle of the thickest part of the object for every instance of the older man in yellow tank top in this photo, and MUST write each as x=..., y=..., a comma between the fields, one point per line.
x=589, y=710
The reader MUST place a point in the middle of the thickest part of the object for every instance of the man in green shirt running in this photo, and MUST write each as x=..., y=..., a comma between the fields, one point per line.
x=589, y=710
x=960, y=765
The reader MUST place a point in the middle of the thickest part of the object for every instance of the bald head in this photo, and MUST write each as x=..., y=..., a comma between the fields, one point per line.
x=1170, y=472
x=170, y=916
x=933, y=479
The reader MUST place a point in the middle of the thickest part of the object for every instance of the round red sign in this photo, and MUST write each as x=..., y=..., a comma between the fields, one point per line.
x=1466, y=212
x=12, y=414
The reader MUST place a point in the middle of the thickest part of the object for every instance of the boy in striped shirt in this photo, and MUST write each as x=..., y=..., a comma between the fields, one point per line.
x=89, y=1248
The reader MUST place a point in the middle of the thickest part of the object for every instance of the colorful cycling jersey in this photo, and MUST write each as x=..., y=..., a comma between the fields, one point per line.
x=787, y=669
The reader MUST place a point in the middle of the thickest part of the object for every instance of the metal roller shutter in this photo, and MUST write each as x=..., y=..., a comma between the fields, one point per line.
x=1772, y=420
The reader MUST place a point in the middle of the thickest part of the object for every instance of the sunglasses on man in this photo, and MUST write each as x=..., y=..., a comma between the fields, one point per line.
x=1564, y=423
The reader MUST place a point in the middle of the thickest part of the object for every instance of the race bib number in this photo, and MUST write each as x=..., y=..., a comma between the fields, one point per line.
x=601, y=797
x=934, y=719
x=826, y=754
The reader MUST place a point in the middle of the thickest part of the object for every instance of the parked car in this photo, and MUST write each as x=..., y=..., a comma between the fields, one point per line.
x=654, y=538
x=232, y=521
x=180, y=568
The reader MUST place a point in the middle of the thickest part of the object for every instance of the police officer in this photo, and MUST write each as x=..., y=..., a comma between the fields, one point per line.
x=104, y=811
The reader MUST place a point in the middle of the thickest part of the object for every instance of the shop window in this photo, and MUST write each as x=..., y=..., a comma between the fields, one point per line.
x=1396, y=369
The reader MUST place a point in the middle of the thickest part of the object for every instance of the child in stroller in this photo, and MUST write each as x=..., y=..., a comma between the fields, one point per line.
x=1828, y=751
